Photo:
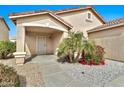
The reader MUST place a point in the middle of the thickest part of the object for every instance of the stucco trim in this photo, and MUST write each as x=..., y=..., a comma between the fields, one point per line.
x=43, y=25
x=19, y=54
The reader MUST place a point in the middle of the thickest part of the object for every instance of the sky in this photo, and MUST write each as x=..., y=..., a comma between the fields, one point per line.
x=108, y=12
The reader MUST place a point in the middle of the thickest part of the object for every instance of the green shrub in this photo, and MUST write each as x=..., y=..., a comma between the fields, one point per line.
x=99, y=54
x=6, y=49
x=94, y=52
x=8, y=77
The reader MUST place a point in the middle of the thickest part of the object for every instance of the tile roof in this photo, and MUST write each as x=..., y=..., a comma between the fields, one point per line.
x=71, y=9
x=59, y=11
x=25, y=13
x=107, y=25
x=56, y=13
x=40, y=11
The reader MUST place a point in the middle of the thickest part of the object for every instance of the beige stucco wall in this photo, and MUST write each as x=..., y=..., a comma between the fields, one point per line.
x=112, y=40
x=4, y=33
x=107, y=33
x=79, y=20
x=57, y=39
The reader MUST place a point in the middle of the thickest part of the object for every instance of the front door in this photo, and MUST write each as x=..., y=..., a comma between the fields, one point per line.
x=41, y=45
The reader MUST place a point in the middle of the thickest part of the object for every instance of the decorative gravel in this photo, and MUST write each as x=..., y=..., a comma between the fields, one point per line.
x=30, y=74
x=95, y=76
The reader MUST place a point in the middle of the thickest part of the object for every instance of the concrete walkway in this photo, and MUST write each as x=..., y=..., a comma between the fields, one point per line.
x=53, y=75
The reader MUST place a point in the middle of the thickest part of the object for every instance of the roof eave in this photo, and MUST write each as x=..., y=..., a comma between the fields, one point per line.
x=13, y=18
x=98, y=15
x=104, y=28
x=84, y=8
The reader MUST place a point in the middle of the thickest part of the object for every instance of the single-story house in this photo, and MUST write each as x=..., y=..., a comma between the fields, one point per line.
x=110, y=36
x=4, y=30
x=40, y=32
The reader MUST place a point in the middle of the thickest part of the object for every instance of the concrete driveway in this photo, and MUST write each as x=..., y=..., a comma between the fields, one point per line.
x=53, y=74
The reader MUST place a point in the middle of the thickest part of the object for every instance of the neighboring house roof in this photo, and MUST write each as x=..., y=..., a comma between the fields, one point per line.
x=111, y=24
x=14, y=16
x=26, y=14
x=1, y=18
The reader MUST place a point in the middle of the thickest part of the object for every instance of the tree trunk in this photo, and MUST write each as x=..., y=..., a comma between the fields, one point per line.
x=70, y=55
x=78, y=55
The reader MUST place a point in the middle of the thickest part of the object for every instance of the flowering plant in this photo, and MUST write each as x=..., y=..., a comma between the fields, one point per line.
x=92, y=54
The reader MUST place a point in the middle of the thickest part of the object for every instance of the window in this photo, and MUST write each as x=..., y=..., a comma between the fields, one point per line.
x=89, y=15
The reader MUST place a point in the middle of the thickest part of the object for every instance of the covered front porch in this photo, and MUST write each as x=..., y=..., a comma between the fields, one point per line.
x=42, y=40
x=37, y=40
x=38, y=34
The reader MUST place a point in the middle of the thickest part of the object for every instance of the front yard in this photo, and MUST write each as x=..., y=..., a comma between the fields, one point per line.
x=80, y=63
x=46, y=71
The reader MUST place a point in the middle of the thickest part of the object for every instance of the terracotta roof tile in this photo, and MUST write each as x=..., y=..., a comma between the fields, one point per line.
x=71, y=9
x=54, y=11
x=25, y=13
x=107, y=24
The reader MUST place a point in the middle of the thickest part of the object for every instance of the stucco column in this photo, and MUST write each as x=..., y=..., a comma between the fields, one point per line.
x=20, y=45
